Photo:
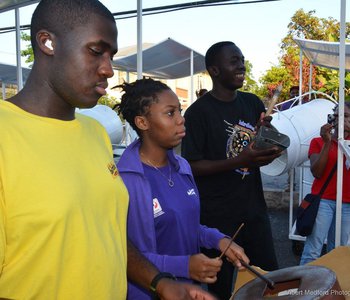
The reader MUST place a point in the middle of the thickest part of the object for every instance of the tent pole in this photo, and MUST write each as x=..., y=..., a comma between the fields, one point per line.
x=340, y=123
x=139, y=39
x=3, y=91
x=310, y=80
x=18, y=51
x=300, y=76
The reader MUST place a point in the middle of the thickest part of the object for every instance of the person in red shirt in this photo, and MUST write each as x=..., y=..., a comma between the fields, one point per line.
x=323, y=154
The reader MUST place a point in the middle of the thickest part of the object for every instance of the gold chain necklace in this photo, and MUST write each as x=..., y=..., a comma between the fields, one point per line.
x=170, y=181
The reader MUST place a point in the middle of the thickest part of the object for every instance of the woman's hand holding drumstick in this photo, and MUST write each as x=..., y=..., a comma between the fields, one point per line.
x=233, y=252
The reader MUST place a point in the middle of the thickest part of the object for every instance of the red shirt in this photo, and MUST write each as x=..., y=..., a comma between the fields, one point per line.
x=331, y=190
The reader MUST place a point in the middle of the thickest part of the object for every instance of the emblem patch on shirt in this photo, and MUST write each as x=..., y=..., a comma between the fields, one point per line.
x=191, y=192
x=240, y=135
x=157, y=209
x=113, y=169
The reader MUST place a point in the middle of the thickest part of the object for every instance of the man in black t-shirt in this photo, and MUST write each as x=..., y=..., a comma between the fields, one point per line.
x=220, y=129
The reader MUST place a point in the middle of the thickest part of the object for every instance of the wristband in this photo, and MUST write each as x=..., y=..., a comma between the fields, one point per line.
x=158, y=277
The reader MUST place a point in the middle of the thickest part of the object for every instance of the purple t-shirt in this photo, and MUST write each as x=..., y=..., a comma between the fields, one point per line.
x=175, y=210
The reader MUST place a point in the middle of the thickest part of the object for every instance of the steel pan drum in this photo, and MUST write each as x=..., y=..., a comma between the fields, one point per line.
x=300, y=282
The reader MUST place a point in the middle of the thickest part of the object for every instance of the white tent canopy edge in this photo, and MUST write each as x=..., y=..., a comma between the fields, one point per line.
x=324, y=54
x=168, y=59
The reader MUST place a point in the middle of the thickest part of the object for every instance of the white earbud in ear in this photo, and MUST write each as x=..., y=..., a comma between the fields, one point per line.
x=48, y=44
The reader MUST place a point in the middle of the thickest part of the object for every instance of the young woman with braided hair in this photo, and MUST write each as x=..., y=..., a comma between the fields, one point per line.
x=163, y=217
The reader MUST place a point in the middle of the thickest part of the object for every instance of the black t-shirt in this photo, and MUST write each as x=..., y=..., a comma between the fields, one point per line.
x=218, y=130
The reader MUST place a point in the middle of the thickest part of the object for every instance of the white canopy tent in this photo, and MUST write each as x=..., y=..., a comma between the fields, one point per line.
x=165, y=60
x=324, y=54
x=168, y=59
x=329, y=55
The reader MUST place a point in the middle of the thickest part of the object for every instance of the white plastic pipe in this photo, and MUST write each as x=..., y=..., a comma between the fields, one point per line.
x=301, y=123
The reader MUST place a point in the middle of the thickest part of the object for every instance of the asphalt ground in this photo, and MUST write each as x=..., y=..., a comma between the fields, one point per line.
x=276, y=190
x=288, y=251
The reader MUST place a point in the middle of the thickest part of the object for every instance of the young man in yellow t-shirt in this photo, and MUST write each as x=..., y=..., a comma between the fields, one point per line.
x=63, y=205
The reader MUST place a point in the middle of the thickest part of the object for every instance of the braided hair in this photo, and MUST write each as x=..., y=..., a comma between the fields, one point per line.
x=138, y=97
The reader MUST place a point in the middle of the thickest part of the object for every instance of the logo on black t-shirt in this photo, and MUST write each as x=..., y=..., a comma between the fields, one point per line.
x=240, y=135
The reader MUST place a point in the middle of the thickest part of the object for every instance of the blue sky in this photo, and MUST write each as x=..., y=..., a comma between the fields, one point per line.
x=256, y=28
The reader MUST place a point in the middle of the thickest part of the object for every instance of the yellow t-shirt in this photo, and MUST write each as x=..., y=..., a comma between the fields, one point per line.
x=63, y=209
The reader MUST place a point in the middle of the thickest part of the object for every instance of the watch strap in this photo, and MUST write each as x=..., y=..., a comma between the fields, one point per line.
x=158, y=277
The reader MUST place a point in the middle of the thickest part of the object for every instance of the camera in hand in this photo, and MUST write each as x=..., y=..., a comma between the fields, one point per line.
x=331, y=119
x=269, y=137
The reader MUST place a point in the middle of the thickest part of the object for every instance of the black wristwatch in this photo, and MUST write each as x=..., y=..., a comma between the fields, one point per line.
x=156, y=279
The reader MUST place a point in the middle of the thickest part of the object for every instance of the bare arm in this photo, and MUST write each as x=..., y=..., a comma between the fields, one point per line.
x=139, y=269
x=318, y=161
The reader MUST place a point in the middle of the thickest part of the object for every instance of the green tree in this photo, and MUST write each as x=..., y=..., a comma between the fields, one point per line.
x=304, y=25
x=249, y=84
x=271, y=80
x=109, y=100
x=28, y=52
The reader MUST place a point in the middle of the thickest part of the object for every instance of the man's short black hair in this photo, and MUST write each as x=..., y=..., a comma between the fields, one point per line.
x=213, y=51
x=61, y=16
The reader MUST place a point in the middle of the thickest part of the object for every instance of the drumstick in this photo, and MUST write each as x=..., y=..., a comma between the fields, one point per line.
x=274, y=100
x=231, y=240
x=270, y=283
